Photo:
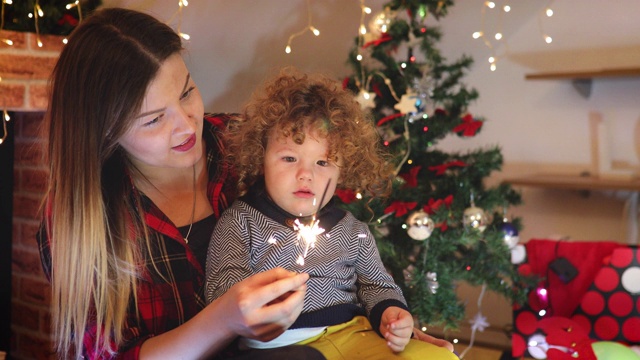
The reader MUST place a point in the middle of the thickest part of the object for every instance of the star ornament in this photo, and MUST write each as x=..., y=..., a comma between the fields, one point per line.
x=407, y=103
x=365, y=99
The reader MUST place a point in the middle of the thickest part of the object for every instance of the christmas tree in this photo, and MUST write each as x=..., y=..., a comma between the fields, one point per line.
x=56, y=17
x=441, y=225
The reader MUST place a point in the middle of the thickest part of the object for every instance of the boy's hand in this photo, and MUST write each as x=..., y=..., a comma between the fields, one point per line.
x=396, y=326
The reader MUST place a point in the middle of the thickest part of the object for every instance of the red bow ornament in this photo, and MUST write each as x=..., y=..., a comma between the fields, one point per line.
x=441, y=169
x=433, y=205
x=346, y=195
x=469, y=127
x=411, y=178
x=383, y=38
x=400, y=207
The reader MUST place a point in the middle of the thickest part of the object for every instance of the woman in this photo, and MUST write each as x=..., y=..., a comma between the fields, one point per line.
x=135, y=189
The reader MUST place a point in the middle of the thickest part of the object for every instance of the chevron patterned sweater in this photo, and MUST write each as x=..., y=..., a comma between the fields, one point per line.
x=347, y=277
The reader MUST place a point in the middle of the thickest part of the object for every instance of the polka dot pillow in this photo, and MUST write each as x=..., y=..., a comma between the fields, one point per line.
x=610, y=309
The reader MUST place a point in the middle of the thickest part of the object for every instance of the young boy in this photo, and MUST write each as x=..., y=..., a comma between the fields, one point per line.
x=298, y=140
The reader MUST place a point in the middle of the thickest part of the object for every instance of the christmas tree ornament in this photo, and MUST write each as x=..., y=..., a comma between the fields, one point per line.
x=420, y=225
x=432, y=282
x=380, y=23
x=469, y=126
x=474, y=217
x=510, y=234
x=365, y=99
x=407, y=104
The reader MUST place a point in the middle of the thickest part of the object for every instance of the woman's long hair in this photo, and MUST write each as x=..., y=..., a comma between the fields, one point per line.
x=97, y=88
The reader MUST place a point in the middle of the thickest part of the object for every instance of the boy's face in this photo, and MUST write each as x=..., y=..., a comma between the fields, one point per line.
x=297, y=175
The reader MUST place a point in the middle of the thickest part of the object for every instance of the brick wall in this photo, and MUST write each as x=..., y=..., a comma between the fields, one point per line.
x=24, y=70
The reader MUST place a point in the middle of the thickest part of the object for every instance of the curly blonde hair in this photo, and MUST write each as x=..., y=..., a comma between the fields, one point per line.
x=292, y=103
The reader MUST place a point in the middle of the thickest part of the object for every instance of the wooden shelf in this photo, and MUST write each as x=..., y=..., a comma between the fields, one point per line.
x=582, y=81
x=574, y=182
x=589, y=183
x=603, y=73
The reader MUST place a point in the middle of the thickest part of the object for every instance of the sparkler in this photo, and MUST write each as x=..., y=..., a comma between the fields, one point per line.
x=307, y=234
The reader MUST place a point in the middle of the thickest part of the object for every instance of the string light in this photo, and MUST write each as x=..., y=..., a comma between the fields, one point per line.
x=547, y=12
x=181, y=5
x=499, y=34
x=37, y=12
x=5, y=120
x=4, y=40
x=362, y=29
x=309, y=27
x=69, y=6
x=76, y=4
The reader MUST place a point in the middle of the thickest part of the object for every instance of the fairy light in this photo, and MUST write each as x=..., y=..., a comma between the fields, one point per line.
x=181, y=4
x=37, y=12
x=498, y=35
x=76, y=4
x=4, y=40
x=309, y=27
x=5, y=120
x=547, y=12
x=362, y=29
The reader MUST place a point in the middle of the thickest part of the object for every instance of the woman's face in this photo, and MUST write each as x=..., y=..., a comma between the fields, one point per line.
x=168, y=131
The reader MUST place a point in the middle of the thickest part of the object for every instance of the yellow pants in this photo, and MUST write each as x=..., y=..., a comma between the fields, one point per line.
x=356, y=339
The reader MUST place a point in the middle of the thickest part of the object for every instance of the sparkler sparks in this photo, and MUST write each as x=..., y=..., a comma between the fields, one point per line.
x=307, y=234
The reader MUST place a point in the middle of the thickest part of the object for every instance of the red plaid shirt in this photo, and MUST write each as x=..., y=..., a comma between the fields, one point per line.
x=163, y=306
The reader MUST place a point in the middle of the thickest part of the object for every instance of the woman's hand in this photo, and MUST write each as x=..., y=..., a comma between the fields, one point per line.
x=264, y=305
x=260, y=307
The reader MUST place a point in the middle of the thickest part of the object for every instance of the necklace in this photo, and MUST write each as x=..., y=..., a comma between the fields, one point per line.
x=193, y=209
